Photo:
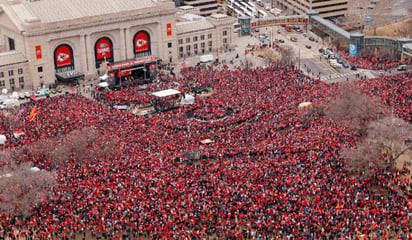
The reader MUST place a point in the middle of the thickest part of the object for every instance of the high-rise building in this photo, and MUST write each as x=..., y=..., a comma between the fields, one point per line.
x=325, y=8
x=206, y=7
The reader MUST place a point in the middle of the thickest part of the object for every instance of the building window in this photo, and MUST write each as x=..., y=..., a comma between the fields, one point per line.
x=11, y=44
x=39, y=69
x=188, y=40
x=225, y=40
x=180, y=49
x=202, y=45
x=1, y=74
x=209, y=43
x=21, y=80
x=2, y=84
x=11, y=80
x=209, y=36
x=195, y=39
x=195, y=46
x=11, y=73
x=180, y=41
x=202, y=37
x=225, y=33
x=169, y=45
x=20, y=71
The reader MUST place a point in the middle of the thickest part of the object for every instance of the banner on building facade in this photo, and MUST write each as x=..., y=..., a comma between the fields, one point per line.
x=38, y=52
x=169, y=29
x=141, y=42
x=353, y=49
x=63, y=56
x=103, y=49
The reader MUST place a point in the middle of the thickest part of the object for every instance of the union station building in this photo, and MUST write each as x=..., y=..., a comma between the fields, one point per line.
x=43, y=42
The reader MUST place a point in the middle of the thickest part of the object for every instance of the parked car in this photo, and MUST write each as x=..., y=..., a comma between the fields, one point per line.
x=340, y=60
x=312, y=39
x=42, y=92
x=345, y=64
x=353, y=68
x=402, y=68
x=321, y=50
x=293, y=39
x=308, y=46
x=281, y=40
x=278, y=32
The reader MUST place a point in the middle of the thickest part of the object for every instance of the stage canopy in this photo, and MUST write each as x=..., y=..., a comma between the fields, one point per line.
x=69, y=76
x=166, y=93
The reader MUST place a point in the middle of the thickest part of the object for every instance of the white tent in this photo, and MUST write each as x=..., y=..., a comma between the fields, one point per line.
x=165, y=93
x=15, y=95
x=304, y=105
x=187, y=100
x=8, y=103
x=17, y=134
x=104, y=77
x=3, y=139
x=103, y=84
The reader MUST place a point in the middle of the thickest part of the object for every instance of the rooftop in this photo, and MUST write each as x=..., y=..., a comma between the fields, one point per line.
x=49, y=11
x=11, y=57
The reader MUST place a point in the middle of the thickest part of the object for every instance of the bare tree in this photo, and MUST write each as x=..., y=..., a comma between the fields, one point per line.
x=288, y=55
x=22, y=186
x=354, y=109
x=390, y=135
x=13, y=119
x=387, y=139
x=363, y=158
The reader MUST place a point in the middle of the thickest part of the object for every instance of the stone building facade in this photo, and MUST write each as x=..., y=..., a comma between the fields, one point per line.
x=66, y=39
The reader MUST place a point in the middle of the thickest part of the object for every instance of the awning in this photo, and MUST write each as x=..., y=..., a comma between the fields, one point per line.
x=165, y=93
x=69, y=76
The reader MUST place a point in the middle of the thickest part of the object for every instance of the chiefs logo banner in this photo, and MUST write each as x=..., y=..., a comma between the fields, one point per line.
x=169, y=29
x=141, y=42
x=103, y=49
x=63, y=56
x=38, y=52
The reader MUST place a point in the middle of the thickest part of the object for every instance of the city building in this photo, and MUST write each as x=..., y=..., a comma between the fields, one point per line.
x=325, y=8
x=43, y=42
x=206, y=7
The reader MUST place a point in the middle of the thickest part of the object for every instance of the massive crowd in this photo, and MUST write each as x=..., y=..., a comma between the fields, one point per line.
x=265, y=175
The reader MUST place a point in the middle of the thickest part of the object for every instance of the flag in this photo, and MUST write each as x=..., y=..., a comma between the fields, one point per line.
x=33, y=113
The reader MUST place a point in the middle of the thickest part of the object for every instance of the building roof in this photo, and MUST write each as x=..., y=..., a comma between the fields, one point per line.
x=332, y=26
x=165, y=93
x=11, y=57
x=49, y=11
x=191, y=23
x=407, y=45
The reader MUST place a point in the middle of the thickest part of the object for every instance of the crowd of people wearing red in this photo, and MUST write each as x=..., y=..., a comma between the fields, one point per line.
x=265, y=175
x=372, y=62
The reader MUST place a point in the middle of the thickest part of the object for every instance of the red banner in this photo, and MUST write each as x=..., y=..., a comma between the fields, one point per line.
x=131, y=63
x=63, y=56
x=124, y=73
x=103, y=49
x=38, y=52
x=141, y=42
x=169, y=29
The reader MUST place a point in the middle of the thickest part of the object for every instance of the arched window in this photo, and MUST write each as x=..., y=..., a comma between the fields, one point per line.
x=63, y=58
x=141, y=43
x=103, y=51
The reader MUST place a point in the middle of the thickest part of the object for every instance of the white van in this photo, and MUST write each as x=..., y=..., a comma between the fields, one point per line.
x=402, y=68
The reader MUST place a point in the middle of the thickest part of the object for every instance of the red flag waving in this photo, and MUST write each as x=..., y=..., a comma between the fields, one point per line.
x=33, y=113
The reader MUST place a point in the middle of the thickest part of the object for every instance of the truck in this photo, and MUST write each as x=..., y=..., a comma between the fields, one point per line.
x=206, y=58
x=42, y=92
